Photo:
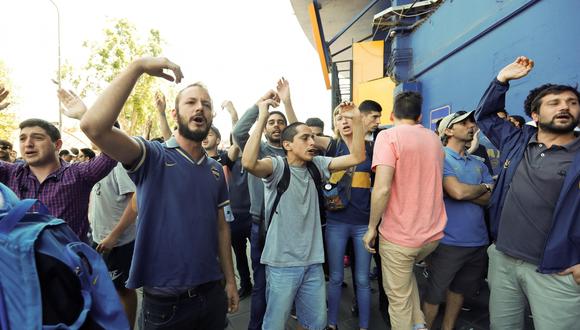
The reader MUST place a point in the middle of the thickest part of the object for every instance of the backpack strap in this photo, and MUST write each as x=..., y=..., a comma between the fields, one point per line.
x=280, y=189
x=18, y=212
x=317, y=177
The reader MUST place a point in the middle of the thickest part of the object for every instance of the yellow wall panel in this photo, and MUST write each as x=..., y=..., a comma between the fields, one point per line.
x=378, y=90
x=367, y=62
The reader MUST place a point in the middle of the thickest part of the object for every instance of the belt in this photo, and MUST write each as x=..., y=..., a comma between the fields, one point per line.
x=190, y=293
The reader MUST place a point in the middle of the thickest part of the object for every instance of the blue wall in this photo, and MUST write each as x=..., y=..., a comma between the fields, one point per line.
x=546, y=31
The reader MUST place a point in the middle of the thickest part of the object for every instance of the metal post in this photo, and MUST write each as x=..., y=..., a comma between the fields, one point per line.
x=58, y=78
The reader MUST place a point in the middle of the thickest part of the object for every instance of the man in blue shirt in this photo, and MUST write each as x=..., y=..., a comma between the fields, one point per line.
x=535, y=207
x=182, y=237
x=457, y=265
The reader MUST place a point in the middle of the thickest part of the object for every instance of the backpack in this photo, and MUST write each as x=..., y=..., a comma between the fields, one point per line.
x=49, y=279
x=283, y=186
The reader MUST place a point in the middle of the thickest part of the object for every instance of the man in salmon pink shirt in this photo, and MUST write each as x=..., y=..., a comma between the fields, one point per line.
x=408, y=196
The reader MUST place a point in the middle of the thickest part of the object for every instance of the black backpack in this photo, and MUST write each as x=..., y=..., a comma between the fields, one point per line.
x=283, y=186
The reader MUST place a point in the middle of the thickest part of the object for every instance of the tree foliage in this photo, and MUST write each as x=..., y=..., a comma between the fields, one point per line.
x=107, y=58
x=7, y=116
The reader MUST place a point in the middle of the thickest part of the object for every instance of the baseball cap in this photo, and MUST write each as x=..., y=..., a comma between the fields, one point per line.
x=451, y=119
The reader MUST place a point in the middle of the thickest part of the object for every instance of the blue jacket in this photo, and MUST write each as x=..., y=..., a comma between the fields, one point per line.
x=562, y=247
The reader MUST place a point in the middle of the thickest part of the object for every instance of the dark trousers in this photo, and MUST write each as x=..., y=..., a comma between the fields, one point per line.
x=258, y=305
x=205, y=309
x=240, y=233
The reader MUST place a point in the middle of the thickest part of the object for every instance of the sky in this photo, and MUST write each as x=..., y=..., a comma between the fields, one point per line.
x=239, y=49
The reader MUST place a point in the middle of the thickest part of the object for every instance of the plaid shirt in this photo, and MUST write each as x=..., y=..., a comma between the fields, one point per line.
x=65, y=192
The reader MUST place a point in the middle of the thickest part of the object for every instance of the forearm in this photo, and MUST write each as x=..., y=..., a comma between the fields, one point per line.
x=127, y=219
x=379, y=199
x=243, y=126
x=225, y=249
x=358, y=141
x=290, y=114
x=482, y=200
x=463, y=191
x=105, y=111
x=164, y=125
x=252, y=150
x=234, y=152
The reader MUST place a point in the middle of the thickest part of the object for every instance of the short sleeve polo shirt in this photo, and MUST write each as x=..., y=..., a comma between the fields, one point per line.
x=465, y=220
x=177, y=230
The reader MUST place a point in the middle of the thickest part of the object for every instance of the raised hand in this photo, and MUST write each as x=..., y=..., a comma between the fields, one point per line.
x=283, y=89
x=74, y=107
x=349, y=110
x=160, y=102
x=271, y=94
x=3, y=94
x=154, y=66
x=516, y=70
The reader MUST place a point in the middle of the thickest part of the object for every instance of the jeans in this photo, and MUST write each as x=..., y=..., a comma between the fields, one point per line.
x=337, y=235
x=303, y=286
x=204, y=310
x=240, y=233
x=258, y=304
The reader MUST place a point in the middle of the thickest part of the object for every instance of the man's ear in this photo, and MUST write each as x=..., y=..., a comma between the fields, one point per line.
x=218, y=141
x=174, y=114
x=287, y=145
x=392, y=116
x=535, y=116
x=58, y=145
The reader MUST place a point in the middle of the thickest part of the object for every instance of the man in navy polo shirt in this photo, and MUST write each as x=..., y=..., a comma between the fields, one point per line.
x=456, y=266
x=182, y=237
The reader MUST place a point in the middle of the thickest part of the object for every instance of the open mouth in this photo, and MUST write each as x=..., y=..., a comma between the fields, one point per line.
x=564, y=116
x=198, y=119
x=311, y=151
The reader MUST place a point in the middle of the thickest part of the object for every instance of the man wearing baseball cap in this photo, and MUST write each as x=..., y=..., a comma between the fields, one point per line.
x=458, y=262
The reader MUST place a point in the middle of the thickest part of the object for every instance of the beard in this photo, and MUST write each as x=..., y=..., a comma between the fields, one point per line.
x=553, y=128
x=184, y=131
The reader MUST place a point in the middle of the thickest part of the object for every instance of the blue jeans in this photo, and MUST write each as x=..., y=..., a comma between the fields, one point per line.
x=204, y=310
x=258, y=305
x=337, y=235
x=303, y=286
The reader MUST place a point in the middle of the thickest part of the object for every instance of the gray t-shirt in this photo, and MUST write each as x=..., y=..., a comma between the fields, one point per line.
x=241, y=135
x=294, y=237
x=108, y=202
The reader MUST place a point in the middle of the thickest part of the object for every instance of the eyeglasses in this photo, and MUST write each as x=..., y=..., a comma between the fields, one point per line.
x=455, y=115
x=5, y=147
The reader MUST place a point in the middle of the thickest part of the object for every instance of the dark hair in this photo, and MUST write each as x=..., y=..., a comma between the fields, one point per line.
x=216, y=131
x=196, y=84
x=534, y=99
x=5, y=143
x=519, y=119
x=276, y=112
x=74, y=151
x=63, y=152
x=88, y=153
x=369, y=105
x=290, y=132
x=49, y=128
x=159, y=139
x=316, y=122
x=437, y=125
x=408, y=105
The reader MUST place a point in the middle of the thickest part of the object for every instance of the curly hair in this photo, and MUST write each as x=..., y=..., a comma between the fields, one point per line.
x=534, y=99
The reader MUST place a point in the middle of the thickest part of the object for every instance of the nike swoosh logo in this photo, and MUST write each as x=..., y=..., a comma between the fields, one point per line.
x=115, y=274
x=170, y=164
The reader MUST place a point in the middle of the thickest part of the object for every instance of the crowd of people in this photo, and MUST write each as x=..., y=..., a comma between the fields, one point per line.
x=166, y=214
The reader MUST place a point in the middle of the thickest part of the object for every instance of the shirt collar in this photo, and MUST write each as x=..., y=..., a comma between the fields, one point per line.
x=172, y=144
x=57, y=174
x=574, y=145
x=456, y=155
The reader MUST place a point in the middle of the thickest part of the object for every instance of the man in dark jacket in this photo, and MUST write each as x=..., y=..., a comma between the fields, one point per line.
x=535, y=207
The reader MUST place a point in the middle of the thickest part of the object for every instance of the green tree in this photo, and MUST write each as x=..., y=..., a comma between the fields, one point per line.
x=120, y=46
x=7, y=116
